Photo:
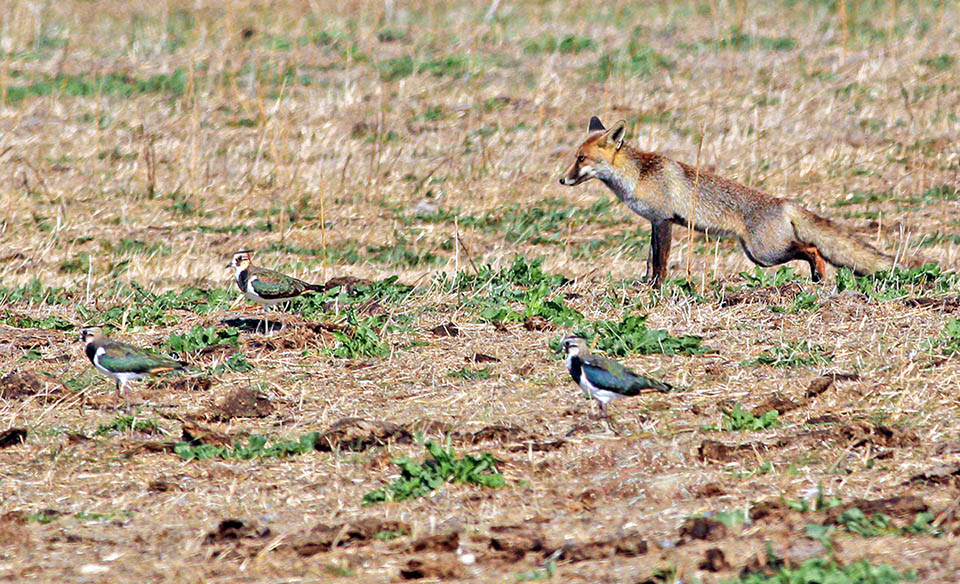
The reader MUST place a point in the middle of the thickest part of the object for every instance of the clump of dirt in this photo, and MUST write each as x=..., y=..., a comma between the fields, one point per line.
x=348, y=283
x=76, y=437
x=429, y=427
x=232, y=530
x=818, y=386
x=629, y=546
x=538, y=323
x=511, y=438
x=941, y=474
x=154, y=446
x=190, y=384
x=712, y=450
x=245, y=402
x=162, y=486
x=702, y=528
x=14, y=517
x=775, y=510
x=904, y=508
x=714, y=561
x=357, y=434
x=825, y=419
x=12, y=437
x=779, y=403
x=774, y=295
x=824, y=382
x=28, y=339
x=711, y=490
x=446, y=330
x=444, y=542
x=250, y=325
x=194, y=433
x=512, y=542
x=288, y=342
x=442, y=568
x=864, y=433
x=12, y=530
x=18, y=384
x=943, y=304
x=323, y=537
x=502, y=434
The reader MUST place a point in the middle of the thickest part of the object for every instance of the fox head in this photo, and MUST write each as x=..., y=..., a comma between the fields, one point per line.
x=595, y=156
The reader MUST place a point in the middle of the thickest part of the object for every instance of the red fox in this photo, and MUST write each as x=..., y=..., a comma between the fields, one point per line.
x=771, y=230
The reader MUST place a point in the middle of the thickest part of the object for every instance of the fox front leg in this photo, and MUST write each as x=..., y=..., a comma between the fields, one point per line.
x=659, y=252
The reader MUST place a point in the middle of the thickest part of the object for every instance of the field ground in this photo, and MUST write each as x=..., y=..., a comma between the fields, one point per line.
x=410, y=152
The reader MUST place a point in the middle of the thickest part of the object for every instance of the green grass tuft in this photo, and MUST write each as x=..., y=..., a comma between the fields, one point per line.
x=120, y=85
x=899, y=282
x=739, y=420
x=761, y=278
x=256, y=447
x=636, y=60
x=200, y=338
x=471, y=374
x=822, y=570
x=630, y=336
x=949, y=341
x=551, y=44
x=125, y=423
x=791, y=354
x=418, y=479
x=363, y=339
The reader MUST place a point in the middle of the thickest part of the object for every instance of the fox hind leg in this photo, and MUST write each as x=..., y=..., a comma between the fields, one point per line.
x=809, y=253
x=767, y=255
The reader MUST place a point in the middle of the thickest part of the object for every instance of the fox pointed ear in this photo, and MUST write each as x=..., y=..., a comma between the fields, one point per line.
x=595, y=125
x=616, y=134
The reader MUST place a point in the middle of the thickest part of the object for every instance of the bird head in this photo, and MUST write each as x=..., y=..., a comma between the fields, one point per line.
x=89, y=333
x=574, y=345
x=241, y=261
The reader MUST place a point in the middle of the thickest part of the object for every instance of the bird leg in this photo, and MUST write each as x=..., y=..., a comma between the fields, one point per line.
x=606, y=418
x=265, y=321
x=120, y=393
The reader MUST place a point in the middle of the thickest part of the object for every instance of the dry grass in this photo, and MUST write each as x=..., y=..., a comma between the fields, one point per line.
x=298, y=130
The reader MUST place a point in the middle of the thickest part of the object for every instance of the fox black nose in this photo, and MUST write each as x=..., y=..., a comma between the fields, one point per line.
x=561, y=181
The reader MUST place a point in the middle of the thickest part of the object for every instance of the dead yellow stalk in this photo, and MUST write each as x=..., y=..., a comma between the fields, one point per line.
x=691, y=223
x=844, y=24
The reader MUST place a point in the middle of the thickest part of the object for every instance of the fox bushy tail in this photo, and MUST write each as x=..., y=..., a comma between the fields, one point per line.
x=837, y=245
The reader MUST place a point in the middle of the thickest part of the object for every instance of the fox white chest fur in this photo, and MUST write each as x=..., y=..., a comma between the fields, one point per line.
x=624, y=188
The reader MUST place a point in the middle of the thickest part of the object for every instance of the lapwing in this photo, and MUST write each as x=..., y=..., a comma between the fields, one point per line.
x=267, y=287
x=121, y=361
x=603, y=379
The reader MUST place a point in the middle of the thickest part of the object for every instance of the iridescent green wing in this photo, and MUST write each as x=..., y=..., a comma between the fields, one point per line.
x=612, y=376
x=273, y=285
x=123, y=358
